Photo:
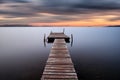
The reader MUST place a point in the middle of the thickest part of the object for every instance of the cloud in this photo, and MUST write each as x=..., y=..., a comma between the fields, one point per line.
x=63, y=10
x=114, y=19
x=1, y=1
x=19, y=1
x=71, y=7
x=84, y=4
x=98, y=4
x=62, y=7
x=17, y=9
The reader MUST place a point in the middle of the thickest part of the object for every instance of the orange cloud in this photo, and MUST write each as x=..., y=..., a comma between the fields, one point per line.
x=95, y=22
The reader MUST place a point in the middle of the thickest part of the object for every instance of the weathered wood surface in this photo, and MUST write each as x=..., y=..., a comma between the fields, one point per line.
x=59, y=65
x=57, y=35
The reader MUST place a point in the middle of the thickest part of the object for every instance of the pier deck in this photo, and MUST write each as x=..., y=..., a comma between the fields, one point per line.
x=59, y=65
x=54, y=36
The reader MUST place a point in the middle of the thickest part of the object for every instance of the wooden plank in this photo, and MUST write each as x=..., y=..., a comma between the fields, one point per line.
x=57, y=35
x=59, y=65
x=74, y=77
x=59, y=55
x=60, y=70
x=62, y=66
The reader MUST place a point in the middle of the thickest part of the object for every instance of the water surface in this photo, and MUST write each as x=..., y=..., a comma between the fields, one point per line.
x=95, y=52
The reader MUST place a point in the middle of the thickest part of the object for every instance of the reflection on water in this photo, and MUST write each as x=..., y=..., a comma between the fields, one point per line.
x=95, y=52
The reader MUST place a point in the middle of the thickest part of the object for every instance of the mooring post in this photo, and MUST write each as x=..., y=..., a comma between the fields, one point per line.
x=63, y=30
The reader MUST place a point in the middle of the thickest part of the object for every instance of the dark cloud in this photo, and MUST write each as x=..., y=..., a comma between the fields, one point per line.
x=65, y=9
x=72, y=7
x=98, y=4
x=89, y=4
x=16, y=13
x=1, y=1
x=19, y=1
x=18, y=10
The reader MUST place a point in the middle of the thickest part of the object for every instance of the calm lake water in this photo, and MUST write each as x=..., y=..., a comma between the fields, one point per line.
x=95, y=52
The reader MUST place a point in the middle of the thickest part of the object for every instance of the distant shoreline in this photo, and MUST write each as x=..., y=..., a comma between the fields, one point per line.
x=113, y=26
x=14, y=25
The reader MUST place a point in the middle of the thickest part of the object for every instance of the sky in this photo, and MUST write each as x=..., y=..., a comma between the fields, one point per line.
x=60, y=12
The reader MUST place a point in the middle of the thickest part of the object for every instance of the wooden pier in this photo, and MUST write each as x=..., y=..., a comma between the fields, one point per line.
x=54, y=36
x=59, y=65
